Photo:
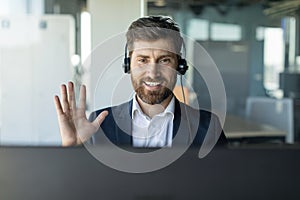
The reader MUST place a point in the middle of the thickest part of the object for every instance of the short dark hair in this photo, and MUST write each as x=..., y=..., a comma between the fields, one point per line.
x=154, y=28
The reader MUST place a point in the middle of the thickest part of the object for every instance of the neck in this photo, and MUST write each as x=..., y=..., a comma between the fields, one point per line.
x=152, y=110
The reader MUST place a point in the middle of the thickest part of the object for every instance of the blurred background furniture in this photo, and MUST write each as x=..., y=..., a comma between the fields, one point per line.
x=275, y=112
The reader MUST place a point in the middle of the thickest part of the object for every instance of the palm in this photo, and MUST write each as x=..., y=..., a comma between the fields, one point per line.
x=74, y=126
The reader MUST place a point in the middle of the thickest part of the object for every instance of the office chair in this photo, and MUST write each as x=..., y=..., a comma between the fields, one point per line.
x=275, y=112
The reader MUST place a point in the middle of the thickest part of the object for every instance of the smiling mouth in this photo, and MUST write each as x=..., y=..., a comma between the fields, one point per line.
x=152, y=84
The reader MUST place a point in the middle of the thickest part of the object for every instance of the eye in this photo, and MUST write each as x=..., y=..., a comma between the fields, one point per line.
x=165, y=61
x=142, y=60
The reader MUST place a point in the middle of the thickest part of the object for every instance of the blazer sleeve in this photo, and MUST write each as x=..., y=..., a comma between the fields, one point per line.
x=222, y=140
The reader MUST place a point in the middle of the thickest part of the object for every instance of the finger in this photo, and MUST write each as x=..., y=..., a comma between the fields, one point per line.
x=100, y=118
x=64, y=94
x=82, y=97
x=71, y=96
x=58, y=107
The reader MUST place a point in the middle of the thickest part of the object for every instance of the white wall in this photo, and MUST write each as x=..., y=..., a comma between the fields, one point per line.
x=108, y=18
x=112, y=17
x=34, y=61
x=18, y=7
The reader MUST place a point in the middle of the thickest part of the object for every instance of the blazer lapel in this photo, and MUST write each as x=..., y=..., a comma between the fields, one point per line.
x=177, y=118
x=185, y=124
x=122, y=117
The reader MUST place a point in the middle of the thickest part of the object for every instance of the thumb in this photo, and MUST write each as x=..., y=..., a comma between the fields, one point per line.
x=100, y=118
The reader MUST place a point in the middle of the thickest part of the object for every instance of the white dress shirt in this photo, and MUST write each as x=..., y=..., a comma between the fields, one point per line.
x=155, y=132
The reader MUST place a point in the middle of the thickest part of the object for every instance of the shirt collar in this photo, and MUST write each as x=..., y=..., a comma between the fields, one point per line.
x=136, y=107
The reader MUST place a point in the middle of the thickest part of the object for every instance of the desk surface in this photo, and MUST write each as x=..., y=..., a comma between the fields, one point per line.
x=237, y=127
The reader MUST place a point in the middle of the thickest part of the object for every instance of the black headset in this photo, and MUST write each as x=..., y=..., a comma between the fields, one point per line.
x=181, y=68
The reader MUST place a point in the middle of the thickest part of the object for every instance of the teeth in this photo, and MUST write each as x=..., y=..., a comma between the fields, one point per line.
x=152, y=84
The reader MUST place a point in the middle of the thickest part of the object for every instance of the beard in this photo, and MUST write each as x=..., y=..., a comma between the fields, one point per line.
x=152, y=97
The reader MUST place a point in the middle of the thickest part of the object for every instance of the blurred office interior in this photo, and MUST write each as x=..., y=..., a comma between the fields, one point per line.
x=254, y=43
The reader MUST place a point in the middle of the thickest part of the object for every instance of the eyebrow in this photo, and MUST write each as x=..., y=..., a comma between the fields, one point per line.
x=160, y=57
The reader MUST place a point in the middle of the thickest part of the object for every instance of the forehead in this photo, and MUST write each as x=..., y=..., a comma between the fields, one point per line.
x=160, y=45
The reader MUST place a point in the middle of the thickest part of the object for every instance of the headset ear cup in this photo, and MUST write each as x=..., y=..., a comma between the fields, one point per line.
x=126, y=65
x=182, y=66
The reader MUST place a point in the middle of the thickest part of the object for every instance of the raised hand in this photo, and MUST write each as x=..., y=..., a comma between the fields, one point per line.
x=74, y=126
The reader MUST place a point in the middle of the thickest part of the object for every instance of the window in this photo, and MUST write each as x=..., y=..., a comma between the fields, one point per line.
x=198, y=29
x=225, y=32
x=273, y=57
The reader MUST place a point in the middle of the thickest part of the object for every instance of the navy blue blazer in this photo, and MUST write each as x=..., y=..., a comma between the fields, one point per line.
x=190, y=126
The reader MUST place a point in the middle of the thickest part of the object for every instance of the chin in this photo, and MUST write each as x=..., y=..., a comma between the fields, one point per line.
x=153, y=97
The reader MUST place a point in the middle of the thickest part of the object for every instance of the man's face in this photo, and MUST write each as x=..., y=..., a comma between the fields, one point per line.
x=153, y=70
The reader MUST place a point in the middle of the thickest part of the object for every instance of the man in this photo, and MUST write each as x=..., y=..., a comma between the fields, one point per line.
x=154, y=117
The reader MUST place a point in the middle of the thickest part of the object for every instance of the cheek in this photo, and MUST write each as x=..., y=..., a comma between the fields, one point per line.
x=172, y=79
x=170, y=70
x=135, y=79
x=170, y=74
x=136, y=71
x=135, y=76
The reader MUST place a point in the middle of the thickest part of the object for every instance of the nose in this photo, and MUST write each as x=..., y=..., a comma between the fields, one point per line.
x=153, y=70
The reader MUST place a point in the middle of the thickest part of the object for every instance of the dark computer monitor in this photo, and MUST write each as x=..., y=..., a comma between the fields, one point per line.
x=225, y=173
